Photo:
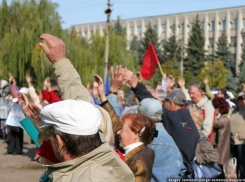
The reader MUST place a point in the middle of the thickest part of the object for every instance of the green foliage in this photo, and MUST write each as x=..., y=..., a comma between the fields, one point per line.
x=22, y=23
x=195, y=50
x=223, y=52
x=169, y=69
x=188, y=77
x=172, y=51
x=118, y=27
x=216, y=73
x=242, y=68
x=150, y=35
x=231, y=82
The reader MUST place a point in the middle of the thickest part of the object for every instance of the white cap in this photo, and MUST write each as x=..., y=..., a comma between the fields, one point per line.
x=24, y=90
x=74, y=117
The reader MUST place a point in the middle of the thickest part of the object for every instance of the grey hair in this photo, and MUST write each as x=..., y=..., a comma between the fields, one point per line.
x=196, y=84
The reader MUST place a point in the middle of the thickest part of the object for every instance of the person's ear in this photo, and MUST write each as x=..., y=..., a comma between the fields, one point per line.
x=60, y=142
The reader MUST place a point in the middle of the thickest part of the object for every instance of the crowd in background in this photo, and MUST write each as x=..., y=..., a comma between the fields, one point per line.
x=157, y=133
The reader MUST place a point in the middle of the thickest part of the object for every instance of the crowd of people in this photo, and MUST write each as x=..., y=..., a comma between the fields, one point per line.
x=152, y=135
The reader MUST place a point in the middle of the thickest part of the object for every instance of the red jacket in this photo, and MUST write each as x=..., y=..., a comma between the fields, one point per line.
x=51, y=97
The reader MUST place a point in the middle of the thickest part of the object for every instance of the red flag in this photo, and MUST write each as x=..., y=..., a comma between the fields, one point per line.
x=149, y=63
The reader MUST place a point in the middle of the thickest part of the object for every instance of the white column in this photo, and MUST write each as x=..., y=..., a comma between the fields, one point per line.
x=228, y=26
x=239, y=39
x=185, y=33
x=176, y=27
x=143, y=27
x=135, y=28
x=101, y=32
x=88, y=31
x=216, y=30
x=159, y=28
x=168, y=30
x=206, y=20
x=127, y=30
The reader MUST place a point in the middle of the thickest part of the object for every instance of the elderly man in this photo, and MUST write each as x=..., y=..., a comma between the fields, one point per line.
x=72, y=127
x=200, y=101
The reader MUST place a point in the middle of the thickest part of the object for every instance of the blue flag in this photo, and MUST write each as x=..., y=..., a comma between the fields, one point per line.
x=107, y=84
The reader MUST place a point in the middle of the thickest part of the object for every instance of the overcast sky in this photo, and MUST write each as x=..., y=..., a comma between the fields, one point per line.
x=88, y=11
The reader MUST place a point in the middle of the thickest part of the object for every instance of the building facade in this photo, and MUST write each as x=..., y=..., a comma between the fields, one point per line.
x=213, y=23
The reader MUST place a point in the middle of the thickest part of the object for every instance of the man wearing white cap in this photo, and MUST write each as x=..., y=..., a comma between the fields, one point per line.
x=73, y=129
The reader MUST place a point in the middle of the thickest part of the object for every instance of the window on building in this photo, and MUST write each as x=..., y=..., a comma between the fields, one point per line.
x=211, y=26
x=172, y=27
x=243, y=23
x=181, y=28
x=234, y=58
x=202, y=25
x=91, y=32
x=190, y=26
x=243, y=39
x=155, y=28
x=139, y=30
x=132, y=30
x=233, y=41
x=163, y=43
x=164, y=28
x=222, y=25
x=211, y=42
x=234, y=24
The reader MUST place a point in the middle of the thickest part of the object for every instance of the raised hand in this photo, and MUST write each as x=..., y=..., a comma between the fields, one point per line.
x=130, y=79
x=118, y=78
x=46, y=84
x=35, y=116
x=181, y=82
x=28, y=80
x=206, y=81
x=24, y=104
x=11, y=78
x=101, y=87
x=56, y=50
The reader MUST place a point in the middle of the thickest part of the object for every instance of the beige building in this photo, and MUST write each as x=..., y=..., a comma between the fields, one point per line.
x=213, y=23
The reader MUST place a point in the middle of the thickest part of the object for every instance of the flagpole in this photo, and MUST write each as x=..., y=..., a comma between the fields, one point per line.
x=160, y=68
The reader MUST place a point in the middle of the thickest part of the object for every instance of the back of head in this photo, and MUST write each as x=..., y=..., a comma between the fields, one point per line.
x=77, y=124
x=197, y=117
x=152, y=108
x=161, y=94
x=140, y=124
x=221, y=104
x=177, y=96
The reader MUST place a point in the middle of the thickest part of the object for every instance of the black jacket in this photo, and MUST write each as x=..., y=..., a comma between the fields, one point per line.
x=179, y=125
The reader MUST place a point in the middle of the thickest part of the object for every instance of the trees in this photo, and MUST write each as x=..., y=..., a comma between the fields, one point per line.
x=223, y=52
x=172, y=51
x=22, y=22
x=150, y=35
x=195, y=50
x=216, y=73
x=242, y=68
x=118, y=27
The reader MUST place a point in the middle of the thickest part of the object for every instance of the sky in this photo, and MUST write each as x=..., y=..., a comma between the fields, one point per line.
x=75, y=12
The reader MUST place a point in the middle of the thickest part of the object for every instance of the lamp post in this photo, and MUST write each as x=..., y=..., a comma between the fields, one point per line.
x=108, y=13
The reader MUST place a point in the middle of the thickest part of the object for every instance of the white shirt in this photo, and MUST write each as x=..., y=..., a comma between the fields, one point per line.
x=131, y=147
